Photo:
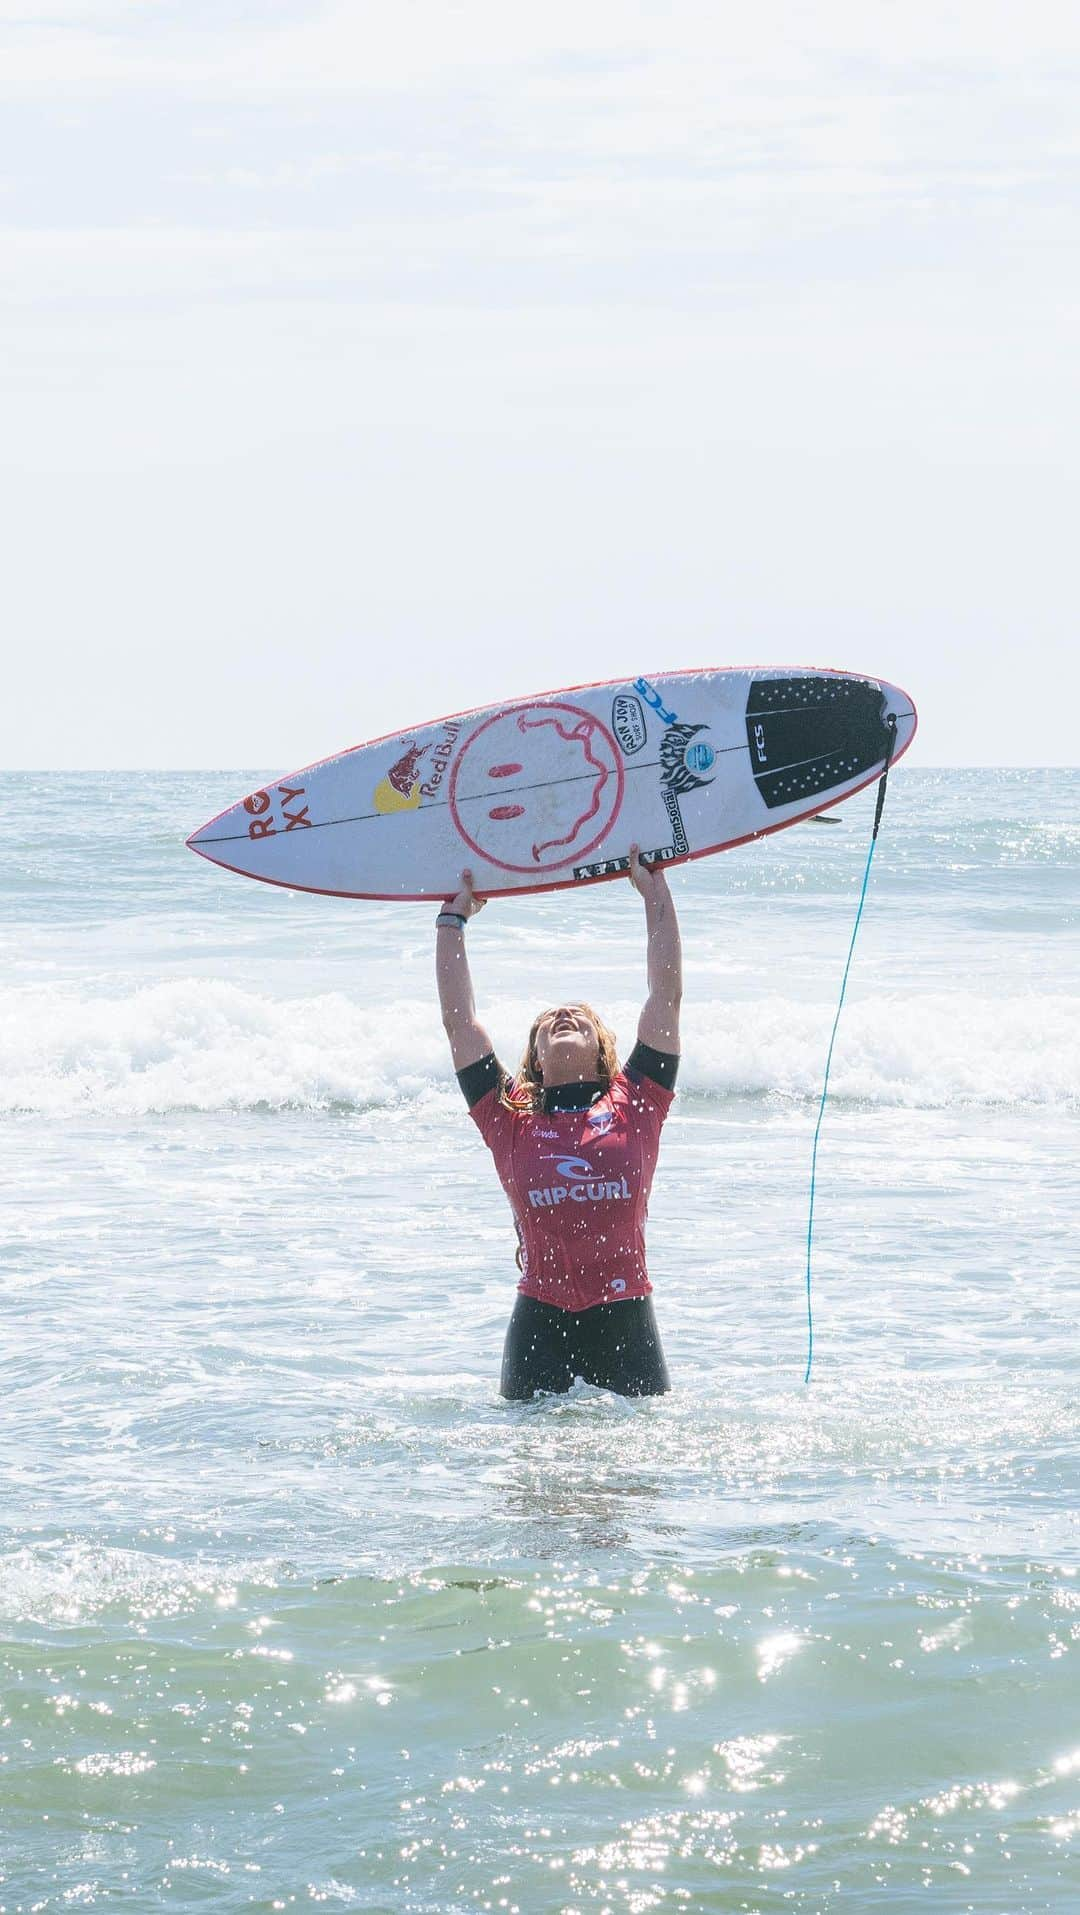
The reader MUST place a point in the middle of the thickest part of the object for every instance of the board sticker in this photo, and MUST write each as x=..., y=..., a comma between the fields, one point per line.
x=568, y=809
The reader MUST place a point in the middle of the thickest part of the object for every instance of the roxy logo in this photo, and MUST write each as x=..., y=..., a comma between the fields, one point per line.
x=260, y=803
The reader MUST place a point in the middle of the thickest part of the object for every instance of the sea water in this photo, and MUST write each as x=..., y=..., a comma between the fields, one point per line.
x=294, y=1610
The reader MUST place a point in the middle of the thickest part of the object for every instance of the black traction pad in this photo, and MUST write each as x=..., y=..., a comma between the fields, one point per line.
x=809, y=735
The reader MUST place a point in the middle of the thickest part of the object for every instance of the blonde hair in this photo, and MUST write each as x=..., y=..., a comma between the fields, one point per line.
x=525, y=1091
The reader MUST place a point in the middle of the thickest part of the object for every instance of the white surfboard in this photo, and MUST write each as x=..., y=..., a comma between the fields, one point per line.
x=552, y=790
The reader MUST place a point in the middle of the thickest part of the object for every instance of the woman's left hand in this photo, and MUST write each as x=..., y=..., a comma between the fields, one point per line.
x=658, y=1024
x=649, y=881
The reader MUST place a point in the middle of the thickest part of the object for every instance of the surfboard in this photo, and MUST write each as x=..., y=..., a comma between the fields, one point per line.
x=552, y=790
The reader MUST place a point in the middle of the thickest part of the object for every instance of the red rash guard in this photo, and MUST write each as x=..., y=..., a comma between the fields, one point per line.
x=578, y=1183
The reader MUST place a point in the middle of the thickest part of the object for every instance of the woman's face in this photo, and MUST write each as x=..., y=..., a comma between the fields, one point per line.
x=567, y=1046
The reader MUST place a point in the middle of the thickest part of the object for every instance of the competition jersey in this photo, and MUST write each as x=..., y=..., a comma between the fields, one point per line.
x=578, y=1183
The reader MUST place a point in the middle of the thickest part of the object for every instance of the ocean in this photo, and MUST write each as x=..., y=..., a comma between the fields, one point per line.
x=294, y=1610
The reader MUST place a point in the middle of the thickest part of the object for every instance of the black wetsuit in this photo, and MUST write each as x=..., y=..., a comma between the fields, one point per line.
x=613, y=1345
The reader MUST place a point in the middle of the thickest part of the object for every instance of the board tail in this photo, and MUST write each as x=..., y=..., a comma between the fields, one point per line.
x=807, y=735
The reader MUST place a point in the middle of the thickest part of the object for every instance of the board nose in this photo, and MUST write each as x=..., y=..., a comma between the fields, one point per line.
x=220, y=835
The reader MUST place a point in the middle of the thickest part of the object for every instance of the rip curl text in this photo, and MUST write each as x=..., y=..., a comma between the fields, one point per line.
x=597, y=1193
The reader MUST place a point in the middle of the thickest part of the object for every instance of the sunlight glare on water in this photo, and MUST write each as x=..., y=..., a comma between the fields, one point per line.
x=295, y=1610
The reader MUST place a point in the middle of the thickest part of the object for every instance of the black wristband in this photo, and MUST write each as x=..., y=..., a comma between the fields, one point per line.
x=450, y=921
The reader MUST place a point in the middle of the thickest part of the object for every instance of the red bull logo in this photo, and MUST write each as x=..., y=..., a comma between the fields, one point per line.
x=400, y=789
x=403, y=775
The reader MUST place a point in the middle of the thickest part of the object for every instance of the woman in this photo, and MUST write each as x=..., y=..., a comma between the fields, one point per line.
x=575, y=1140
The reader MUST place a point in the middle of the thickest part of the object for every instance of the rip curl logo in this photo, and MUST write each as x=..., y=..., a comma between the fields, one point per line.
x=618, y=1285
x=577, y=1191
x=683, y=757
x=573, y=1167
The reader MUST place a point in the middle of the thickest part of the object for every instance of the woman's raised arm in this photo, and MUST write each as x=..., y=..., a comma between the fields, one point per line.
x=469, y=1041
x=658, y=1024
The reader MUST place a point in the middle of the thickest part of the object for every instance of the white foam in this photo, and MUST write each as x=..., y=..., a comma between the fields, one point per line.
x=194, y=1045
x=70, y=1583
x=190, y=1045
x=930, y=1050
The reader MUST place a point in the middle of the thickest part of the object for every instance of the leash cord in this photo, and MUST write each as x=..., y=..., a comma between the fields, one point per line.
x=880, y=806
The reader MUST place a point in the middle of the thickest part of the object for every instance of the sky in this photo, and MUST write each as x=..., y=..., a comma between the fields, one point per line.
x=362, y=363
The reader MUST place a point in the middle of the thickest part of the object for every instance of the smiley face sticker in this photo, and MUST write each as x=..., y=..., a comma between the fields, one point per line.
x=536, y=788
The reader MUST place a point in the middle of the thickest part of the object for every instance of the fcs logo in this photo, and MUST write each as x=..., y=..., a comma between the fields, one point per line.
x=652, y=697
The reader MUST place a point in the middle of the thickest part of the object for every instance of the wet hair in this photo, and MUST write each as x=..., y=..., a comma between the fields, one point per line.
x=525, y=1091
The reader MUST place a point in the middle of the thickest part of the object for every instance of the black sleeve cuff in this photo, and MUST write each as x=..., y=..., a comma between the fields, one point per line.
x=661, y=1066
x=477, y=1079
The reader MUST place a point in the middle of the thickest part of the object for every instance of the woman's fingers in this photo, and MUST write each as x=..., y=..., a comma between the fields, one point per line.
x=466, y=900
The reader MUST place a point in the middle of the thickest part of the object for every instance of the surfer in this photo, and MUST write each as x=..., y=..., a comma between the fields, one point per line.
x=575, y=1139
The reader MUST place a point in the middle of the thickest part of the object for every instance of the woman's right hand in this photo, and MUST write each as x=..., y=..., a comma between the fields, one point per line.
x=469, y=1041
x=465, y=901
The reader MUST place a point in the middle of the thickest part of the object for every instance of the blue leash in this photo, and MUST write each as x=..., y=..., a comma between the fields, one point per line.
x=828, y=1061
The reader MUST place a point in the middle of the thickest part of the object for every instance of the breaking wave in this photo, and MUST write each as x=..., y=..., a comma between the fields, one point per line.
x=189, y=1045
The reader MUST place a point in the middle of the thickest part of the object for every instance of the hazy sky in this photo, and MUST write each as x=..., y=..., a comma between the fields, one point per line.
x=364, y=362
